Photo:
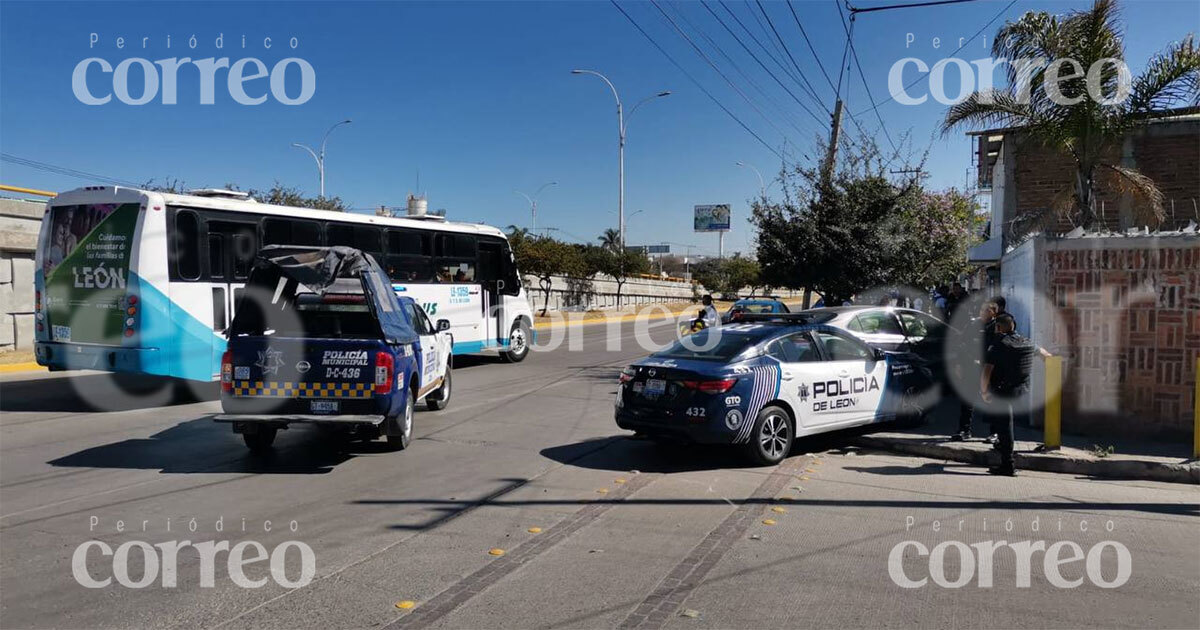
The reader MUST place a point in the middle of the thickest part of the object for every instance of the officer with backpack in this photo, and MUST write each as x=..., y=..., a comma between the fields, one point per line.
x=1006, y=367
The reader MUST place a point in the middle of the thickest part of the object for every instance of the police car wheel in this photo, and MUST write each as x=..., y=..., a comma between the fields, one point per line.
x=441, y=397
x=261, y=440
x=402, y=428
x=518, y=342
x=772, y=437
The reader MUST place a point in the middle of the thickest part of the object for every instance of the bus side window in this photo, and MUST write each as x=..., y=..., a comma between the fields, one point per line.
x=408, y=256
x=216, y=255
x=456, y=258
x=291, y=232
x=187, y=245
x=243, y=254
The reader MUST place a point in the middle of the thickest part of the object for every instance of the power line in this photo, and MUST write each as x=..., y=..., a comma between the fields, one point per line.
x=774, y=59
x=761, y=64
x=811, y=49
x=695, y=82
x=964, y=45
x=786, y=114
x=62, y=170
x=863, y=76
x=811, y=91
x=908, y=6
x=712, y=65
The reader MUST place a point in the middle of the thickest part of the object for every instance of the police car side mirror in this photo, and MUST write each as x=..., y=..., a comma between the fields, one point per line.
x=443, y=325
x=879, y=354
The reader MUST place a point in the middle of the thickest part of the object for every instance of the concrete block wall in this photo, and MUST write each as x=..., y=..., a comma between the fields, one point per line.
x=20, y=222
x=1125, y=315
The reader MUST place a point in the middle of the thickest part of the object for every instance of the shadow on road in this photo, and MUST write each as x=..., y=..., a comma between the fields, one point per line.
x=91, y=393
x=202, y=446
x=625, y=453
x=931, y=468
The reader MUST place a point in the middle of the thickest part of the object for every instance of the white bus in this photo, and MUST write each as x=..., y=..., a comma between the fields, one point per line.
x=136, y=281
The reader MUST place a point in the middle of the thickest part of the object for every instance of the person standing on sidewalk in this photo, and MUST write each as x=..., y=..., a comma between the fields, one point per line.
x=1006, y=367
x=982, y=334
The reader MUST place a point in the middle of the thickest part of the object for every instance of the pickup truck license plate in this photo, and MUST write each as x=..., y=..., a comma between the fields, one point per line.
x=324, y=406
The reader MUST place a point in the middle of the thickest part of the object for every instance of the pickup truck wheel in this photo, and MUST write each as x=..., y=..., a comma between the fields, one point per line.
x=518, y=342
x=260, y=441
x=400, y=434
x=441, y=397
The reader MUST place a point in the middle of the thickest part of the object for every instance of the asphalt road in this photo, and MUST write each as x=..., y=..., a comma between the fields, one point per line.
x=630, y=535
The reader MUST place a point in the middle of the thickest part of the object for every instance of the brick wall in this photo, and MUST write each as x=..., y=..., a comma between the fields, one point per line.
x=1168, y=153
x=1127, y=319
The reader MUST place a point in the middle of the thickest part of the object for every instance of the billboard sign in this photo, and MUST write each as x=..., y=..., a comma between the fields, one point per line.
x=713, y=218
x=651, y=249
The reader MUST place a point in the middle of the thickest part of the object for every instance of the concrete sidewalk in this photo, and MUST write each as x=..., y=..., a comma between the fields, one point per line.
x=1131, y=459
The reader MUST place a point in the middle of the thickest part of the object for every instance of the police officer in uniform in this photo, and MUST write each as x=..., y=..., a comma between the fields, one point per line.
x=1006, y=367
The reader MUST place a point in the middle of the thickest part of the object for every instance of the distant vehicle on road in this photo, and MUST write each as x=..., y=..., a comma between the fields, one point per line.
x=760, y=384
x=143, y=282
x=894, y=329
x=753, y=306
x=321, y=338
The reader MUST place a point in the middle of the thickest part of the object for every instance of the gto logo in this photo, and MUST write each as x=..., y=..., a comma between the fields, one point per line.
x=160, y=563
x=976, y=561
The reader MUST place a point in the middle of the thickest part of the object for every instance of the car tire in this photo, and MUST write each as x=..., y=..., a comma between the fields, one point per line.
x=441, y=397
x=399, y=435
x=519, y=339
x=772, y=437
x=261, y=440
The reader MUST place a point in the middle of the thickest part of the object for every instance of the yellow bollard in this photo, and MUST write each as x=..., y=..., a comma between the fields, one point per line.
x=1053, y=422
x=1196, y=412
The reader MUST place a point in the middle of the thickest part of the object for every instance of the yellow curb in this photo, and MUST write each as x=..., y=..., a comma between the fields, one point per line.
x=28, y=366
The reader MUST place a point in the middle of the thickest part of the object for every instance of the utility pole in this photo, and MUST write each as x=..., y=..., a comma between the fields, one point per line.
x=320, y=157
x=835, y=135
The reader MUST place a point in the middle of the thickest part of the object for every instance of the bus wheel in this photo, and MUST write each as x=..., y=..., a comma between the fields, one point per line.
x=261, y=440
x=441, y=397
x=518, y=343
x=400, y=433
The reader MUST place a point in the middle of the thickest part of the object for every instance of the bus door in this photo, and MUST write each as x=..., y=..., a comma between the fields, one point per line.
x=489, y=273
x=231, y=247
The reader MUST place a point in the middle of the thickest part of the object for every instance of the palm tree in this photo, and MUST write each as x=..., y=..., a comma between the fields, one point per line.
x=611, y=239
x=1089, y=131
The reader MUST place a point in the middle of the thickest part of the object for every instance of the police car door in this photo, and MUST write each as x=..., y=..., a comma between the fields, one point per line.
x=852, y=379
x=800, y=366
x=429, y=350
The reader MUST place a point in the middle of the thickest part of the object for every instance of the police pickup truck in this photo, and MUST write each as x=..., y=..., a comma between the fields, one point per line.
x=320, y=337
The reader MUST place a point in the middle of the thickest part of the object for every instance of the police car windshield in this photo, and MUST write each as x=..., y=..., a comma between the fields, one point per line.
x=705, y=347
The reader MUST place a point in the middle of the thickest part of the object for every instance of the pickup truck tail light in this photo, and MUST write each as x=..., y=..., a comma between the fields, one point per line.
x=385, y=367
x=227, y=371
x=711, y=387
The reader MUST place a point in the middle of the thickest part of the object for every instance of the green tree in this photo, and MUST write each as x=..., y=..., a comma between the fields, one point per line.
x=544, y=257
x=281, y=195
x=937, y=228
x=619, y=264
x=728, y=275
x=610, y=239
x=1087, y=132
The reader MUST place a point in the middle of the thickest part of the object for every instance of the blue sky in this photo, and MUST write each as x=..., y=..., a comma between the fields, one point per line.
x=478, y=97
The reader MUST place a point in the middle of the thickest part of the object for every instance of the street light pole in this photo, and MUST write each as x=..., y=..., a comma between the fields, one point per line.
x=621, y=146
x=320, y=157
x=533, y=203
x=762, y=186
